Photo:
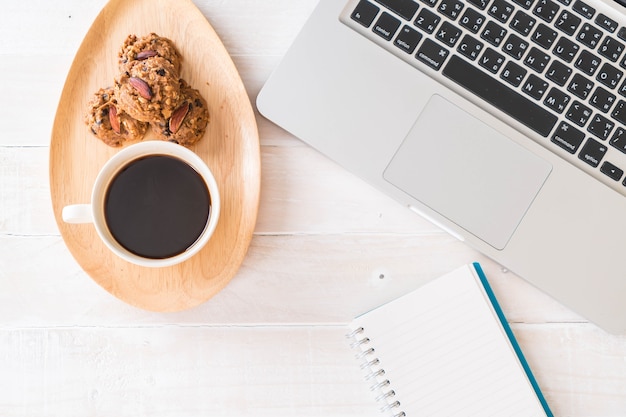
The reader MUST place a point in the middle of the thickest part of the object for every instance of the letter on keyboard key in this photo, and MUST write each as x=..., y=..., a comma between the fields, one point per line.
x=499, y=95
x=365, y=13
x=592, y=153
x=546, y=9
x=568, y=137
x=432, y=54
x=618, y=141
x=408, y=39
x=386, y=26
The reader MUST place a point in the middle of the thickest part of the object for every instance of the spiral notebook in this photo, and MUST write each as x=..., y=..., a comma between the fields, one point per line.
x=446, y=349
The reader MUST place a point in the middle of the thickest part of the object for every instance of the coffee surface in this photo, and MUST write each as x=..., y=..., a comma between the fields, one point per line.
x=157, y=206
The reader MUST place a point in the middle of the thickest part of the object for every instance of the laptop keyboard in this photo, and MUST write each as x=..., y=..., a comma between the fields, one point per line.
x=554, y=66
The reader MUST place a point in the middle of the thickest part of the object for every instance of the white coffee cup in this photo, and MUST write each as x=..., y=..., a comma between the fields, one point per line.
x=121, y=162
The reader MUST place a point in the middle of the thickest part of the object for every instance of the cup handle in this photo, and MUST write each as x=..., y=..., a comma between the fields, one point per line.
x=77, y=213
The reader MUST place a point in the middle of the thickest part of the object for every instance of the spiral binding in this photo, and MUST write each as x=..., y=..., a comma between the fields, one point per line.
x=366, y=356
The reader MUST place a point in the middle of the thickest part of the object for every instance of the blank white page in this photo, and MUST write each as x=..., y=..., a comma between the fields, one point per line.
x=445, y=352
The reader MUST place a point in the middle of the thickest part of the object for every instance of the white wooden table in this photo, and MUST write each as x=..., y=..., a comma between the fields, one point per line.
x=326, y=247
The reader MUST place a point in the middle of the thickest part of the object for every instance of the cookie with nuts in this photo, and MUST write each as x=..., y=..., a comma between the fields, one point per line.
x=108, y=122
x=189, y=121
x=140, y=48
x=149, y=90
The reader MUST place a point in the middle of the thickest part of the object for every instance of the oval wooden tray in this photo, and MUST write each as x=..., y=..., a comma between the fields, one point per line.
x=230, y=148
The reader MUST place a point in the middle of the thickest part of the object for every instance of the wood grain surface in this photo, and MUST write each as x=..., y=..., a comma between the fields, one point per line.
x=271, y=343
x=230, y=147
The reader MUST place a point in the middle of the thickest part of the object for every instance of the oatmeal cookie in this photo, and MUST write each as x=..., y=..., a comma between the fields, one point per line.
x=137, y=49
x=149, y=90
x=188, y=123
x=108, y=122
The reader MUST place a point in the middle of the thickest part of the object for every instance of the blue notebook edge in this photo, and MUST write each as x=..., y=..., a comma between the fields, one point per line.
x=511, y=336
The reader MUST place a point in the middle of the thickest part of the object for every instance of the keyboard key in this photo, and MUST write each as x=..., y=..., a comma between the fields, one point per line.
x=472, y=20
x=544, y=36
x=622, y=33
x=501, y=10
x=619, y=112
x=579, y=113
x=611, y=49
x=602, y=100
x=431, y=54
x=606, y=22
x=568, y=22
x=546, y=9
x=427, y=21
x=386, y=26
x=526, y=4
x=609, y=75
x=537, y=60
x=364, y=13
x=499, y=95
x=557, y=100
x=587, y=62
x=558, y=72
x=451, y=8
x=600, y=127
x=593, y=152
x=448, y=34
x=470, y=47
x=405, y=8
x=491, y=60
x=515, y=46
x=568, y=137
x=535, y=87
x=481, y=4
x=589, y=35
x=493, y=33
x=407, y=39
x=566, y=49
x=611, y=171
x=618, y=141
x=522, y=23
x=622, y=89
x=513, y=73
x=584, y=9
x=580, y=86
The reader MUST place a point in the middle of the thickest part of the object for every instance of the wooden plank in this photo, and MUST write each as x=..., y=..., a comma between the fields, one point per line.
x=284, y=279
x=301, y=192
x=285, y=370
x=580, y=368
x=247, y=27
x=180, y=372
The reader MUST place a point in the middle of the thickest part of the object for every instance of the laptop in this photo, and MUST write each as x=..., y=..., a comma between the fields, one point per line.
x=501, y=121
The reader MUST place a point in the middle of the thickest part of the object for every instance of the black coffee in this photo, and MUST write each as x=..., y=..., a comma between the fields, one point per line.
x=157, y=206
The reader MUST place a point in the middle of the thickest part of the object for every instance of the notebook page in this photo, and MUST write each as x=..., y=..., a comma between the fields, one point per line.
x=445, y=353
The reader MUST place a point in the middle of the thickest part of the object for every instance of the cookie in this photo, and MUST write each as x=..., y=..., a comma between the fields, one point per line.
x=149, y=90
x=188, y=123
x=108, y=122
x=137, y=49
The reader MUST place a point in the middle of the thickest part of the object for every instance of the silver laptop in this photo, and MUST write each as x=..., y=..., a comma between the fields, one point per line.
x=501, y=121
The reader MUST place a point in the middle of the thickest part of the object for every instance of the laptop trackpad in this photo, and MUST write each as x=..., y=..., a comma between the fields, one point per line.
x=468, y=172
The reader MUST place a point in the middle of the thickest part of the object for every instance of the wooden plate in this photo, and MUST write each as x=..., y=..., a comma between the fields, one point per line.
x=230, y=148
